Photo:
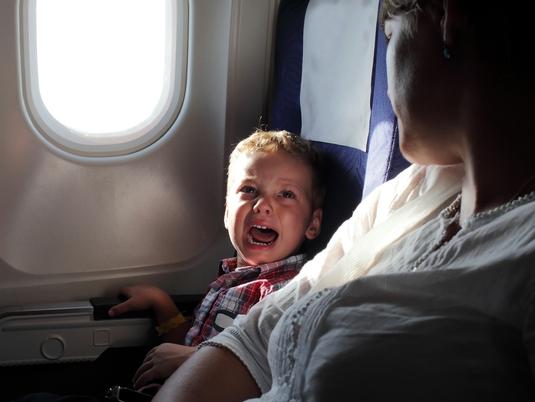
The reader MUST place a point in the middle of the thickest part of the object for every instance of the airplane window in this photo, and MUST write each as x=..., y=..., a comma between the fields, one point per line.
x=103, y=77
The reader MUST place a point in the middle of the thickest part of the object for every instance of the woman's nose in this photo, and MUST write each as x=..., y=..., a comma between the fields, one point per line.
x=262, y=205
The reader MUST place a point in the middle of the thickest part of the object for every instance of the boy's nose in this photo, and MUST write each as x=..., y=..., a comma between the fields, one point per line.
x=262, y=205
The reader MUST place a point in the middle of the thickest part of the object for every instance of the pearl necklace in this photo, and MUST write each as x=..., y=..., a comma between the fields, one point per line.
x=503, y=208
x=452, y=213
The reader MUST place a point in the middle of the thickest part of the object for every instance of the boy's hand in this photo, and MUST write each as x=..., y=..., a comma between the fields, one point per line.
x=161, y=362
x=145, y=297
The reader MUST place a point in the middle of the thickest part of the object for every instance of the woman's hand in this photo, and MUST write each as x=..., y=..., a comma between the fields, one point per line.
x=145, y=297
x=161, y=362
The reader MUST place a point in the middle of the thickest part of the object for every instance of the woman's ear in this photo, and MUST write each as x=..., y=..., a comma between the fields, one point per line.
x=314, y=227
x=451, y=22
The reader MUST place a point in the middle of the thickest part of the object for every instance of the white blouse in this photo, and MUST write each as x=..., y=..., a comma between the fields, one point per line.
x=458, y=325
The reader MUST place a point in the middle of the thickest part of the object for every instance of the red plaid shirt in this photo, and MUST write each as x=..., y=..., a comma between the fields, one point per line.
x=236, y=291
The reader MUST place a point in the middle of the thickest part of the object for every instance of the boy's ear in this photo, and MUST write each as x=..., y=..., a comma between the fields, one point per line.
x=314, y=227
x=225, y=217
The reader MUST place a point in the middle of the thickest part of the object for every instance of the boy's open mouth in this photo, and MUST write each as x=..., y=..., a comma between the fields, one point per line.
x=262, y=235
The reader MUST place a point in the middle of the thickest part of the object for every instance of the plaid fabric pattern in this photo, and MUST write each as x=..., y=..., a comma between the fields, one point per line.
x=235, y=291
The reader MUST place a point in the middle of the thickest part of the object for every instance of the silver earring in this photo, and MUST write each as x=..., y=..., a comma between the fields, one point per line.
x=446, y=52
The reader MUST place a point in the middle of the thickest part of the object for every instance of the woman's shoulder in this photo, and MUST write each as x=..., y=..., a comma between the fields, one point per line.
x=423, y=178
x=412, y=183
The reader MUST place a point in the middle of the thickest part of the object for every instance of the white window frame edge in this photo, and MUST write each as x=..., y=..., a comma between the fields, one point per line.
x=57, y=137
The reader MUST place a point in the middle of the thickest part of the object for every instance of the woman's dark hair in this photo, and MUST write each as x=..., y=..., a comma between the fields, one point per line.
x=501, y=32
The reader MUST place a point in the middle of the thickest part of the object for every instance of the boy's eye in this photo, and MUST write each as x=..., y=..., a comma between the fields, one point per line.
x=247, y=190
x=287, y=194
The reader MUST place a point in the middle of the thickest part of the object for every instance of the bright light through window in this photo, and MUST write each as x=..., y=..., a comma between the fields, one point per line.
x=100, y=63
x=103, y=70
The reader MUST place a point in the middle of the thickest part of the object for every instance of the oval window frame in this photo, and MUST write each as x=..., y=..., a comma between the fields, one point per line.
x=126, y=142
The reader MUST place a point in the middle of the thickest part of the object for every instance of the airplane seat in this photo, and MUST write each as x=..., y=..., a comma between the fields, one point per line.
x=351, y=173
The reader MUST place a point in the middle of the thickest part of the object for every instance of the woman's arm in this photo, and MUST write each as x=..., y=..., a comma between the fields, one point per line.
x=212, y=374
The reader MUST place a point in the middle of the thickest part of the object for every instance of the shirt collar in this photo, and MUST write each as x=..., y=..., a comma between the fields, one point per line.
x=231, y=264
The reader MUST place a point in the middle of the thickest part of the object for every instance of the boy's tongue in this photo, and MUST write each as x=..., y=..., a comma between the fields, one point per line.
x=263, y=235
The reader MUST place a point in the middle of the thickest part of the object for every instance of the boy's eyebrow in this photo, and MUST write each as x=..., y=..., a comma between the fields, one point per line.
x=246, y=179
x=287, y=180
x=237, y=183
x=251, y=177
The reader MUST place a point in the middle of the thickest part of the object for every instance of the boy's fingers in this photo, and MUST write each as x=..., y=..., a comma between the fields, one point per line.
x=120, y=308
x=145, y=378
x=151, y=388
x=146, y=365
x=150, y=353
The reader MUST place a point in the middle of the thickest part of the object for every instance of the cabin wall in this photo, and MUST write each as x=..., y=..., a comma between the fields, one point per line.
x=78, y=227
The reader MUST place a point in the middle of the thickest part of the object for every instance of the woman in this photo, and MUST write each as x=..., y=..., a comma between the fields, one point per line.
x=446, y=308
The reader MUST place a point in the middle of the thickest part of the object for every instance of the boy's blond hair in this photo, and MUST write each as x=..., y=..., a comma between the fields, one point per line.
x=284, y=141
